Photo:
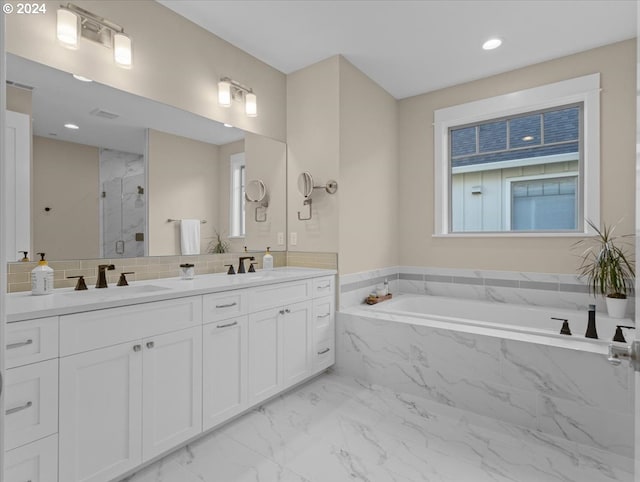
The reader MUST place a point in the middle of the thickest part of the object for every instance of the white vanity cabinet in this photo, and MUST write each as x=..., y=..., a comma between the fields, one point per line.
x=31, y=403
x=123, y=404
x=93, y=394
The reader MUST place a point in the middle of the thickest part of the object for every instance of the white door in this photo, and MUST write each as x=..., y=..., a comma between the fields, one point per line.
x=224, y=380
x=100, y=413
x=297, y=338
x=172, y=388
x=18, y=185
x=265, y=376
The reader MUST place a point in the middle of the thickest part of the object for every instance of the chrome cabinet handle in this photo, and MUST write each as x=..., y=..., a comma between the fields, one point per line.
x=227, y=306
x=150, y=344
x=137, y=348
x=324, y=316
x=322, y=352
x=13, y=346
x=227, y=325
x=18, y=409
x=323, y=287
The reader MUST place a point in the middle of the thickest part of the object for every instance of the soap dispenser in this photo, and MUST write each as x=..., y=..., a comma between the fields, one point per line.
x=42, y=278
x=591, y=325
x=267, y=260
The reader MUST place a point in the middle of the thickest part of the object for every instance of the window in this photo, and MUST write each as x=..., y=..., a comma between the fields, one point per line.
x=520, y=164
x=236, y=214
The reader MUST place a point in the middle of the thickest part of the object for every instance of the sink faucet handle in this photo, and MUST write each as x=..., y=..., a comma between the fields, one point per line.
x=231, y=270
x=80, y=285
x=123, y=278
x=252, y=267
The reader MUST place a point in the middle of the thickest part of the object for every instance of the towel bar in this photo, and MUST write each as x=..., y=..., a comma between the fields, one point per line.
x=202, y=221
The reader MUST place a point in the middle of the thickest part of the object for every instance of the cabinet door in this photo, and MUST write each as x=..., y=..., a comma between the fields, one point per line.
x=297, y=339
x=265, y=355
x=224, y=356
x=172, y=388
x=100, y=413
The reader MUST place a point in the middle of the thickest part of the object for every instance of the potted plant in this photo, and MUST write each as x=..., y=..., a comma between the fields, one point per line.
x=608, y=267
x=218, y=245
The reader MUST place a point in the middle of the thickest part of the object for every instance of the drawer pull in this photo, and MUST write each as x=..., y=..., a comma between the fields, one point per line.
x=13, y=346
x=282, y=312
x=287, y=310
x=137, y=348
x=324, y=316
x=227, y=305
x=324, y=287
x=227, y=325
x=326, y=350
x=18, y=409
x=150, y=344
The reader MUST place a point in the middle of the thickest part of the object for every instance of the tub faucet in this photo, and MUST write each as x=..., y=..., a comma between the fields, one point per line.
x=102, y=276
x=241, y=265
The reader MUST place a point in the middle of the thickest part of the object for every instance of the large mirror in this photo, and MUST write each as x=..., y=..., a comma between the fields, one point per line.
x=118, y=180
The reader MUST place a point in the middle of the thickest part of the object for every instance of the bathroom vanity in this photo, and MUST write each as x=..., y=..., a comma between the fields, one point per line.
x=103, y=381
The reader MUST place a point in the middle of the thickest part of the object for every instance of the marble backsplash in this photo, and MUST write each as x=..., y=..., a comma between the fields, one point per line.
x=566, y=291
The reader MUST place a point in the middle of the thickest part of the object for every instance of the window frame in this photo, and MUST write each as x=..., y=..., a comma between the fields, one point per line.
x=237, y=217
x=585, y=90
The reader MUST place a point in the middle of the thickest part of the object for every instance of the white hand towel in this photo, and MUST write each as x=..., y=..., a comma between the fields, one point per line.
x=190, y=236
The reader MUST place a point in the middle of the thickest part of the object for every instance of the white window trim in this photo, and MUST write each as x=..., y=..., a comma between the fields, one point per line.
x=536, y=177
x=236, y=160
x=584, y=89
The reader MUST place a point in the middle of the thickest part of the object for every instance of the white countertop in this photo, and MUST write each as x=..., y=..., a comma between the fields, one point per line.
x=25, y=306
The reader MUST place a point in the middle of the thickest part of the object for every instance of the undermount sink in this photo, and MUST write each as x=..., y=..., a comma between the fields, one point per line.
x=116, y=291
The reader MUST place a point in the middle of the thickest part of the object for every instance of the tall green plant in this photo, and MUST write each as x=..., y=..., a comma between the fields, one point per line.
x=607, y=266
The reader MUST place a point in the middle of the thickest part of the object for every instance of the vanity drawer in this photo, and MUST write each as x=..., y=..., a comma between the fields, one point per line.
x=31, y=341
x=34, y=462
x=31, y=404
x=96, y=329
x=323, y=286
x=323, y=312
x=220, y=306
x=279, y=294
x=324, y=354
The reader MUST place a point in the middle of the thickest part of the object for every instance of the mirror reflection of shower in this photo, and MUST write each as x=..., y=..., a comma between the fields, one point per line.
x=123, y=209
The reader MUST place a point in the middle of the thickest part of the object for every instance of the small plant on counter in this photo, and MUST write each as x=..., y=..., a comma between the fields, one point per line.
x=218, y=245
x=607, y=264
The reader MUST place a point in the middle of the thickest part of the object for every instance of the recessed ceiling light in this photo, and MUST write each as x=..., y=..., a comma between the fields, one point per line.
x=81, y=78
x=72, y=126
x=527, y=138
x=227, y=125
x=492, y=43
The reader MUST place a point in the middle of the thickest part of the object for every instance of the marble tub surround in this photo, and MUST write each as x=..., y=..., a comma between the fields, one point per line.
x=338, y=428
x=145, y=268
x=567, y=393
x=566, y=291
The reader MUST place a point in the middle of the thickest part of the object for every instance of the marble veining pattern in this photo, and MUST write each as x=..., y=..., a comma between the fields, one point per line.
x=541, y=387
x=336, y=429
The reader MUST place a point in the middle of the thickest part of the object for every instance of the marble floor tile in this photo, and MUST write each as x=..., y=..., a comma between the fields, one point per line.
x=335, y=428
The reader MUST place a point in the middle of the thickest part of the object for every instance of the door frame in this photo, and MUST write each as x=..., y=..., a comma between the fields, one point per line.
x=3, y=261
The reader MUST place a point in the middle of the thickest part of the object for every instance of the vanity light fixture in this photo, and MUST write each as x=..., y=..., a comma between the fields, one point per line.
x=492, y=43
x=230, y=90
x=73, y=127
x=75, y=22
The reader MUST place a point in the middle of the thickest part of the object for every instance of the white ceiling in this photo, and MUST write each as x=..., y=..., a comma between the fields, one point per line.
x=58, y=99
x=412, y=47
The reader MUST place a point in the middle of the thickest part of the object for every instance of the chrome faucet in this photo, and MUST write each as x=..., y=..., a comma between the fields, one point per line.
x=241, y=265
x=102, y=276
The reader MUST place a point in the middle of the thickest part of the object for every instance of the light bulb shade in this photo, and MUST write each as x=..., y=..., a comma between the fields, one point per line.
x=67, y=28
x=224, y=93
x=122, y=54
x=251, y=105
